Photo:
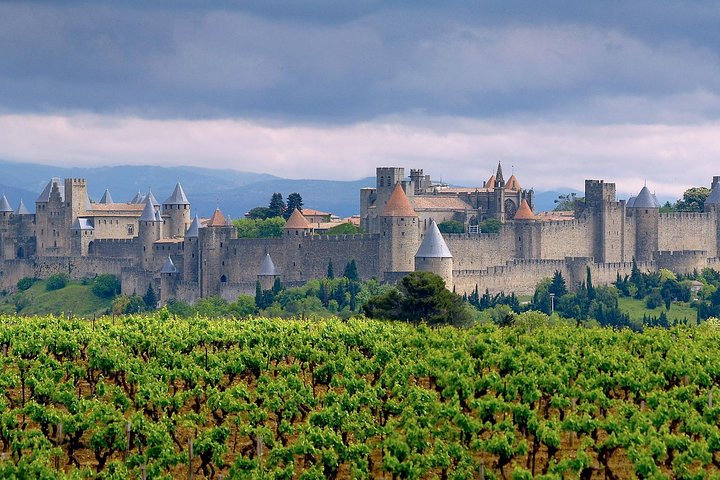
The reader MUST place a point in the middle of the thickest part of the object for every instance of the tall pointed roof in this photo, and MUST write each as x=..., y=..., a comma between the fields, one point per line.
x=82, y=224
x=433, y=245
x=491, y=182
x=152, y=198
x=267, y=267
x=106, y=198
x=512, y=183
x=499, y=175
x=148, y=214
x=714, y=197
x=524, y=212
x=645, y=199
x=169, y=266
x=178, y=197
x=398, y=204
x=88, y=203
x=297, y=221
x=217, y=219
x=138, y=198
x=158, y=217
x=192, y=231
x=45, y=195
x=5, y=205
x=22, y=209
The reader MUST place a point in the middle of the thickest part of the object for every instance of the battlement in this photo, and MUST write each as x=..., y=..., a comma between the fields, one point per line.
x=665, y=216
x=341, y=238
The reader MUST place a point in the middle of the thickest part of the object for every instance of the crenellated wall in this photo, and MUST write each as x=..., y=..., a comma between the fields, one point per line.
x=686, y=231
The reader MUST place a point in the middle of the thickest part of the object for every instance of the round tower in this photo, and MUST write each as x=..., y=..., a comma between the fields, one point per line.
x=268, y=273
x=524, y=225
x=149, y=230
x=177, y=210
x=399, y=233
x=168, y=281
x=712, y=205
x=190, y=251
x=646, y=210
x=297, y=225
x=434, y=255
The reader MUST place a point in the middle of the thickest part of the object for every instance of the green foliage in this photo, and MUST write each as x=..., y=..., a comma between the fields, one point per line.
x=260, y=213
x=25, y=283
x=345, y=228
x=451, y=226
x=134, y=304
x=277, y=206
x=330, y=270
x=294, y=201
x=693, y=200
x=106, y=285
x=259, y=228
x=567, y=203
x=57, y=281
x=150, y=299
x=351, y=271
x=491, y=225
x=557, y=285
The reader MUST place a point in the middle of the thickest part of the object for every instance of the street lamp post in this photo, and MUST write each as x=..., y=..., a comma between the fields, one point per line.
x=552, y=303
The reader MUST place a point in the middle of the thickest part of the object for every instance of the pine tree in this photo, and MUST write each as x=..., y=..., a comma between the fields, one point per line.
x=330, y=270
x=558, y=286
x=294, y=201
x=259, y=298
x=149, y=298
x=351, y=272
x=277, y=205
x=590, y=288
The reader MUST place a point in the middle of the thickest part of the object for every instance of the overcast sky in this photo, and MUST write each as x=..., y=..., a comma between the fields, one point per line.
x=627, y=91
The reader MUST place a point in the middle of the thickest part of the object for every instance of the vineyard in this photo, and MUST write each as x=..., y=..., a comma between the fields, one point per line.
x=158, y=397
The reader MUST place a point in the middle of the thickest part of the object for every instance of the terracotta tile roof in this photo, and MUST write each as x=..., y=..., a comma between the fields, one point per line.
x=217, y=219
x=118, y=207
x=398, y=205
x=297, y=221
x=512, y=183
x=524, y=212
x=439, y=202
x=310, y=211
x=490, y=184
x=563, y=216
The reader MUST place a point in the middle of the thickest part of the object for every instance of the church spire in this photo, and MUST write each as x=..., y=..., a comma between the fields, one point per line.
x=499, y=180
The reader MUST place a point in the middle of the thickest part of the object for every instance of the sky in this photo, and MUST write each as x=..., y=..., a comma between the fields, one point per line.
x=558, y=91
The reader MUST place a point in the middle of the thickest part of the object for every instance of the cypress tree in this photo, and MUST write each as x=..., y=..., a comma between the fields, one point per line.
x=330, y=270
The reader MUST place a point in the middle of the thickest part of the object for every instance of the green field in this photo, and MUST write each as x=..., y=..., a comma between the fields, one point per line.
x=75, y=298
x=677, y=312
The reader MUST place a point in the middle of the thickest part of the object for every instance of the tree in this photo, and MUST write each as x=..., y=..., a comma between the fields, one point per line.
x=259, y=213
x=57, y=281
x=491, y=225
x=590, y=288
x=351, y=271
x=345, y=228
x=25, y=283
x=557, y=286
x=277, y=205
x=566, y=203
x=259, y=228
x=451, y=226
x=150, y=298
x=294, y=201
x=330, y=270
x=693, y=199
x=106, y=286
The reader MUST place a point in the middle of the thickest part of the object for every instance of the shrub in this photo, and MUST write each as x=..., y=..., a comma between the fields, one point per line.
x=25, y=283
x=57, y=281
x=106, y=286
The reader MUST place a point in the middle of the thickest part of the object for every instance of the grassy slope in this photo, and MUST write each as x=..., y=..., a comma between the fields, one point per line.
x=75, y=298
x=637, y=308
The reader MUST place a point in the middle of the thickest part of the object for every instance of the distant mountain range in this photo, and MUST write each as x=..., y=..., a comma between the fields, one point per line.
x=233, y=191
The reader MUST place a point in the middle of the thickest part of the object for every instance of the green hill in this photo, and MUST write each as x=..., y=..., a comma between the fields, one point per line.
x=75, y=298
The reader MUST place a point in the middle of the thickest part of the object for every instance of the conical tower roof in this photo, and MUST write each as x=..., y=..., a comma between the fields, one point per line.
x=512, y=183
x=714, y=197
x=499, y=175
x=152, y=198
x=138, y=198
x=433, y=245
x=169, y=266
x=148, y=214
x=490, y=183
x=398, y=204
x=524, y=212
x=178, y=197
x=192, y=231
x=5, y=205
x=88, y=203
x=645, y=199
x=106, y=198
x=22, y=209
x=217, y=219
x=267, y=267
x=297, y=221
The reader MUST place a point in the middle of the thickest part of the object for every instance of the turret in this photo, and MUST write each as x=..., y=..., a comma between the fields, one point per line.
x=434, y=255
x=5, y=210
x=82, y=234
x=190, y=250
x=524, y=222
x=712, y=205
x=214, y=242
x=297, y=225
x=268, y=273
x=168, y=281
x=399, y=233
x=645, y=209
x=499, y=189
x=177, y=210
x=150, y=231
x=106, y=198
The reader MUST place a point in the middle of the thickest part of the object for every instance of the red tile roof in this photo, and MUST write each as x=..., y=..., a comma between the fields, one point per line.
x=512, y=183
x=490, y=184
x=524, y=212
x=398, y=205
x=217, y=219
x=297, y=220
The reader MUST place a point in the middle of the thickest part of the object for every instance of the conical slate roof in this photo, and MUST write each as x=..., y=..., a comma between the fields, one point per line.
x=152, y=198
x=217, y=219
x=267, y=268
x=45, y=195
x=22, y=209
x=398, y=204
x=714, y=197
x=645, y=199
x=169, y=266
x=106, y=198
x=524, y=212
x=178, y=197
x=82, y=224
x=148, y=214
x=433, y=245
x=192, y=231
x=5, y=205
x=138, y=198
x=88, y=203
x=297, y=221
x=631, y=202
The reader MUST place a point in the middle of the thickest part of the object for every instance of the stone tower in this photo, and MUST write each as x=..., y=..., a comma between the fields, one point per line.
x=214, y=241
x=434, y=255
x=645, y=209
x=607, y=217
x=297, y=225
x=499, y=189
x=177, y=211
x=149, y=231
x=168, y=281
x=191, y=251
x=6, y=212
x=399, y=233
x=712, y=205
x=268, y=273
x=82, y=233
x=386, y=179
x=526, y=244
